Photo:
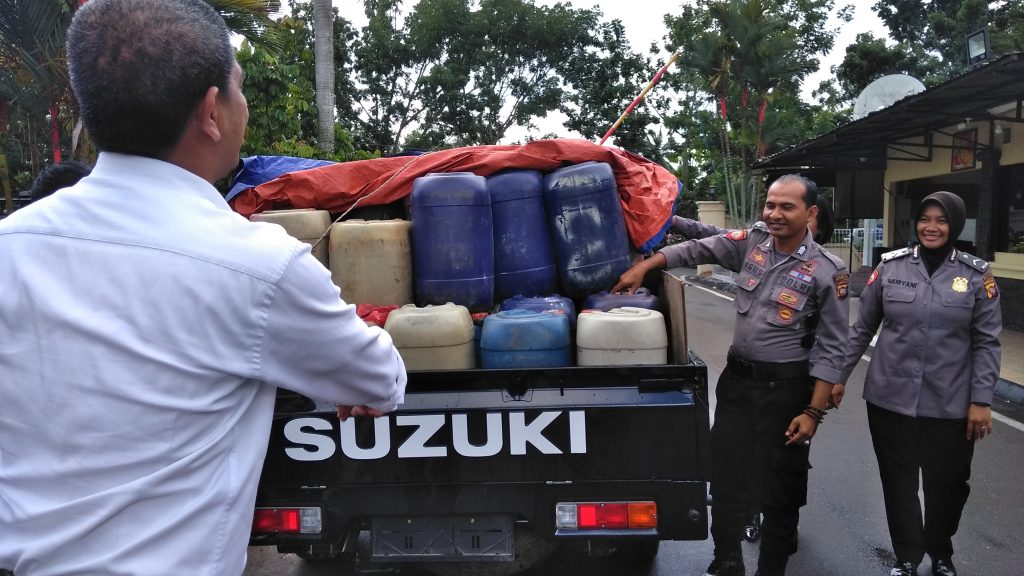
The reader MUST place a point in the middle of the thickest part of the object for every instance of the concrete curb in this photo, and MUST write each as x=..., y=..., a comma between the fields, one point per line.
x=1005, y=390
x=1009, y=392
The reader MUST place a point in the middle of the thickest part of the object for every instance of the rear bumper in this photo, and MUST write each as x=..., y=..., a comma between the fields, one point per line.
x=682, y=507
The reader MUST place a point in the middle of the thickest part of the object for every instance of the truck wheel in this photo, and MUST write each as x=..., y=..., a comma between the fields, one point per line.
x=531, y=551
x=637, y=550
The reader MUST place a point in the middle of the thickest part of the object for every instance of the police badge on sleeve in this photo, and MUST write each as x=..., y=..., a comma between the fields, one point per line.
x=842, y=283
x=991, y=290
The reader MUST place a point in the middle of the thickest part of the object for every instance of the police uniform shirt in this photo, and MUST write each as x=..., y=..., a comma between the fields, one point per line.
x=775, y=300
x=691, y=228
x=938, y=349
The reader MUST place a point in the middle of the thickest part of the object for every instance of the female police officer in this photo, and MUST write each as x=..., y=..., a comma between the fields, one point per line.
x=930, y=380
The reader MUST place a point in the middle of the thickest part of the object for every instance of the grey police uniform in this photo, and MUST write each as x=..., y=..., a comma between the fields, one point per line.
x=774, y=303
x=938, y=351
x=939, y=347
x=765, y=383
x=694, y=228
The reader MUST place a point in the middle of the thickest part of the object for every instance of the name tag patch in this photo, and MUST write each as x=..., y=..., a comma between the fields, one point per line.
x=789, y=281
x=753, y=269
x=789, y=298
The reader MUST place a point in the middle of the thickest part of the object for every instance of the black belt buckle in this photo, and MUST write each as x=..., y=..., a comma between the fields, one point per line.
x=745, y=368
x=766, y=370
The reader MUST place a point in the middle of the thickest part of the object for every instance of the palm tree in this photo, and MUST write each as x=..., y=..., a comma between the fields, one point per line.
x=32, y=53
x=745, y=56
x=323, y=52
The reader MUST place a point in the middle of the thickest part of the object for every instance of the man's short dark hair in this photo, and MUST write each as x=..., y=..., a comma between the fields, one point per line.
x=57, y=176
x=139, y=67
x=810, y=188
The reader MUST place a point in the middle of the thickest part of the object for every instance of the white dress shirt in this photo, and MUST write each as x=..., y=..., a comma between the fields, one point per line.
x=144, y=328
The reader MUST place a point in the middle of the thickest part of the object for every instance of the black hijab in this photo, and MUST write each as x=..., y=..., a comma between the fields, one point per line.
x=956, y=213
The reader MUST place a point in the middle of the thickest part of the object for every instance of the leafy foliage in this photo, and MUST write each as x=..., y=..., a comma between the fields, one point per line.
x=930, y=40
x=605, y=81
x=38, y=109
x=457, y=72
x=746, y=60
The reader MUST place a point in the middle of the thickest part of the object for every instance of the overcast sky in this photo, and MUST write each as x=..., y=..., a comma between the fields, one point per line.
x=645, y=25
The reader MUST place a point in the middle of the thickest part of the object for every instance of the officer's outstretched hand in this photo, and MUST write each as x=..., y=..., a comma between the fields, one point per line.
x=631, y=279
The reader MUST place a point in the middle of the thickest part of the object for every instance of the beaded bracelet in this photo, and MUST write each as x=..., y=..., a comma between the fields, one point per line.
x=816, y=414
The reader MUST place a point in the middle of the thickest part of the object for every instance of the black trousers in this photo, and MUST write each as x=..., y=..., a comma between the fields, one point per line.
x=752, y=467
x=936, y=450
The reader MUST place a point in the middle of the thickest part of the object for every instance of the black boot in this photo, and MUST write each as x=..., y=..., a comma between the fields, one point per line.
x=943, y=567
x=904, y=569
x=726, y=566
x=752, y=532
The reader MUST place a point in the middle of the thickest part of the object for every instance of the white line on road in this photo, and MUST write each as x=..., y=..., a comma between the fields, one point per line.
x=1008, y=421
x=995, y=415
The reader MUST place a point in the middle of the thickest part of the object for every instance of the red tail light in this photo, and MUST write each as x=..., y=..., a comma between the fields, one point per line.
x=287, y=521
x=603, y=516
x=606, y=515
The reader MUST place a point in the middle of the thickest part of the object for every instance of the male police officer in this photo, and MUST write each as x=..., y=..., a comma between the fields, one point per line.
x=791, y=305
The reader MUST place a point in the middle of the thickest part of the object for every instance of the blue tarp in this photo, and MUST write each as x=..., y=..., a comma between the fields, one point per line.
x=256, y=170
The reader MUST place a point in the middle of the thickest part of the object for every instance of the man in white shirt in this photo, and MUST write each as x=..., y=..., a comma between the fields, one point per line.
x=144, y=326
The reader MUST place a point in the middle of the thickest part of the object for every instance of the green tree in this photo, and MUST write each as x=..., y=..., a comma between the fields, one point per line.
x=746, y=59
x=280, y=87
x=389, y=73
x=492, y=79
x=457, y=72
x=32, y=56
x=604, y=82
x=929, y=40
x=33, y=66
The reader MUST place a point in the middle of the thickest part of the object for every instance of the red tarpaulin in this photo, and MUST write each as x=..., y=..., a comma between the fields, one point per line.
x=647, y=190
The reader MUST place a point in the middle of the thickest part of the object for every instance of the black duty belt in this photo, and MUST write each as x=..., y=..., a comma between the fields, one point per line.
x=767, y=370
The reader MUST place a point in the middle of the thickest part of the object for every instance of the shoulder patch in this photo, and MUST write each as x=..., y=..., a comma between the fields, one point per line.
x=737, y=235
x=842, y=283
x=759, y=225
x=991, y=290
x=873, y=277
x=895, y=254
x=972, y=261
x=835, y=260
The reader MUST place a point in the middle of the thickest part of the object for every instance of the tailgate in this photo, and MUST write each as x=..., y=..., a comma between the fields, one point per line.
x=505, y=426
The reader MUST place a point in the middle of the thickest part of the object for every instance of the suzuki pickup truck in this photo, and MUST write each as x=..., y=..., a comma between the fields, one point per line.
x=491, y=470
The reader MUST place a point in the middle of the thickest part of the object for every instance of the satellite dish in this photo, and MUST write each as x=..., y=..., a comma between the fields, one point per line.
x=885, y=92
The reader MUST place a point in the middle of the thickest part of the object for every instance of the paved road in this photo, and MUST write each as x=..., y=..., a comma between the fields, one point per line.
x=842, y=530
